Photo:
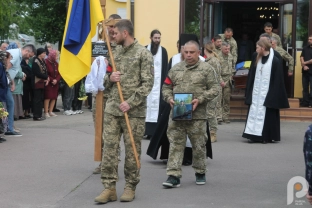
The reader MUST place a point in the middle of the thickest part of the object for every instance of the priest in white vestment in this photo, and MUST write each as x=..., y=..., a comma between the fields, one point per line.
x=265, y=95
x=155, y=103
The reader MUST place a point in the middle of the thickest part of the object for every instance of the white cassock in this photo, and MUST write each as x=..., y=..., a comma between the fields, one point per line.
x=256, y=116
x=152, y=100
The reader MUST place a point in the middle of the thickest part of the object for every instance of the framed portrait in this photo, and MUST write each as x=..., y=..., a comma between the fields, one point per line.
x=182, y=108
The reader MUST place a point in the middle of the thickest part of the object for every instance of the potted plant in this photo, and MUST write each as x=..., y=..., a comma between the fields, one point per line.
x=302, y=33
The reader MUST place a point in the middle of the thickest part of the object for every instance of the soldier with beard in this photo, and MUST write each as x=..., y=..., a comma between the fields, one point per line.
x=155, y=104
x=135, y=67
x=110, y=27
x=217, y=41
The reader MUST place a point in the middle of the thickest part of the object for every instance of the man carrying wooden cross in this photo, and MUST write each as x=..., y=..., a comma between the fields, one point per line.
x=112, y=19
x=135, y=75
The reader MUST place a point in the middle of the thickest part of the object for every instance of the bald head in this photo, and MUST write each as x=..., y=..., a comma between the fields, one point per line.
x=4, y=46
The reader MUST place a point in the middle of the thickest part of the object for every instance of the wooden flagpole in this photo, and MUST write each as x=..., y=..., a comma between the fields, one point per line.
x=98, y=126
x=121, y=97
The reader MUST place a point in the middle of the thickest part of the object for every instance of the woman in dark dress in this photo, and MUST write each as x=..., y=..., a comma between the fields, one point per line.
x=51, y=90
x=40, y=79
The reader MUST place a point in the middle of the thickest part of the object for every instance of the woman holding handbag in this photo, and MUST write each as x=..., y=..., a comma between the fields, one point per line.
x=40, y=80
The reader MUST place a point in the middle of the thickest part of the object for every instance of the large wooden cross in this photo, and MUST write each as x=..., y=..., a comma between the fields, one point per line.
x=99, y=113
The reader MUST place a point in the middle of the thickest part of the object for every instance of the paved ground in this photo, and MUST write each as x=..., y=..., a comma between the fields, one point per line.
x=51, y=167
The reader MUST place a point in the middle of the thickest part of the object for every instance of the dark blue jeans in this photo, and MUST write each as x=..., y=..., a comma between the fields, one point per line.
x=10, y=108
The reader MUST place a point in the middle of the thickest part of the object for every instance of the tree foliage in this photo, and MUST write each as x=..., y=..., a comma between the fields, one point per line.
x=46, y=19
x=192, y=17
x=5, y=18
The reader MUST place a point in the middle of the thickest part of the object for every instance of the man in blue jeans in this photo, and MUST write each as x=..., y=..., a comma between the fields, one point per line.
x=10, y=108
x=8, y=98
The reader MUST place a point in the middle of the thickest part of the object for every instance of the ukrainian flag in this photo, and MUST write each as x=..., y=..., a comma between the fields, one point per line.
x=82, y=19
x=244, y=64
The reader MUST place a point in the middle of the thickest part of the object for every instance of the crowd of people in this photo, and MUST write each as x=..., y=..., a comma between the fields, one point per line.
x=149, y=84
x=30, y=85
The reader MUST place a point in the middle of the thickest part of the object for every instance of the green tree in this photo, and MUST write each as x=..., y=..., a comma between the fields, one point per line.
x=192, y=16
x=46, y=19
x=5, y=18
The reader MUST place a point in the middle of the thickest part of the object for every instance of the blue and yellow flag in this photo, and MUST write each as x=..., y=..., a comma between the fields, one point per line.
x=82, y=19
x=244, y=64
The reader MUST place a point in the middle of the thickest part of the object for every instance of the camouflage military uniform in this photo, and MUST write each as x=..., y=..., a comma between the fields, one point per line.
x=135, y=63
x=214, y=106
x=278, y=39
x=201, y=80
x=105, y=97
x=218, y=51
x=233, y=45
x=227, y=71
x=287, y=57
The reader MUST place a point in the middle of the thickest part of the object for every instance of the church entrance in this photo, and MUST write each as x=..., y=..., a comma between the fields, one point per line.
x=247, y=19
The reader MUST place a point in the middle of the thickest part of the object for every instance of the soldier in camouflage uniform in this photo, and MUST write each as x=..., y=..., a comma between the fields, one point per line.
x=268, y=27
x=286, y=56
x=109, y=23
x=217, y=41
x=227, y=71
x=228, y=37
x=214, y=106
x=135, y=67
x=199, y=78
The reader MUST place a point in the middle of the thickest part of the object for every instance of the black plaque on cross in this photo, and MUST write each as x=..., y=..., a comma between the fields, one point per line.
x=99, y=49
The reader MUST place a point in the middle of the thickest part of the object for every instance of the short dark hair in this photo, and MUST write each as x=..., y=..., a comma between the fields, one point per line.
x=114, y=16
x=310, y=35
x=125, y=24
x=265, y=35
x=155, y=32
x=228, y=29
x=216, y=37
x=193, y=42
x=30, y=47
x=226, y=44
x=268, y=24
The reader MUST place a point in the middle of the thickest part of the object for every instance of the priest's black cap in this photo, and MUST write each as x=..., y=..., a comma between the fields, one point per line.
x=184, y=38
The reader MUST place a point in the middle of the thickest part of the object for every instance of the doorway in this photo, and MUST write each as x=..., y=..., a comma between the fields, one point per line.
x=246, y=18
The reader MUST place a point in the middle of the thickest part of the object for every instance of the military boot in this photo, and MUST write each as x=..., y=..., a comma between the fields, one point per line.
x=107, y=195
x=97, y=170
x=128, y=195
x=213, y=136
